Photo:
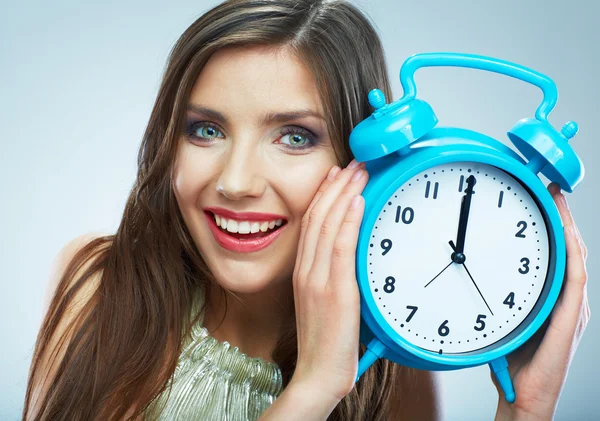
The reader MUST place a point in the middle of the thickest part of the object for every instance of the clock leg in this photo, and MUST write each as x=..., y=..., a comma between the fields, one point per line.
x=374, y=351
x=499, y=367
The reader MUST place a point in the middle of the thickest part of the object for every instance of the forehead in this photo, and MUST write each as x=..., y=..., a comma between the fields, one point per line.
x=255, y=79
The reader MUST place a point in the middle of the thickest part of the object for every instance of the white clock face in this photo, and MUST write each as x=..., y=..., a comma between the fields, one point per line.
x=443, y=305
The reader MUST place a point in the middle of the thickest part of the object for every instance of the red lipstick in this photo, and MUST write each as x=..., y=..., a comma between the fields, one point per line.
x=236, y=242
x=244, y=216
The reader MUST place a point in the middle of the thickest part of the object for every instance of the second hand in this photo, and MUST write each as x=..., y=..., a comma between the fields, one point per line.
x=472, y=280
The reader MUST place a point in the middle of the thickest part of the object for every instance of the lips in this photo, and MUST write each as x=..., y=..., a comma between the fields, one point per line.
x=243, y=243
x=244, y=216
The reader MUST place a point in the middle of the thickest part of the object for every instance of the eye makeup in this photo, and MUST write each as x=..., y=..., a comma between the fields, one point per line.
x=193, y=128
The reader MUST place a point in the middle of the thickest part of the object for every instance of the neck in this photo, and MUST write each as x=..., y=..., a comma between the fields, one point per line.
x=253, y=322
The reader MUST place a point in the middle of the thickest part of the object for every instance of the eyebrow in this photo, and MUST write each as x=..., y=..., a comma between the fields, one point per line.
x=267, y=118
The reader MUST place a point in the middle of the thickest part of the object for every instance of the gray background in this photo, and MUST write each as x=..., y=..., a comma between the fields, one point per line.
x=78, y=81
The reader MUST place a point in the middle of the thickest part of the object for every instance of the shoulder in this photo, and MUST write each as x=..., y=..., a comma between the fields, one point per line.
x=56, y=328
x=61, y=262
x=415, y=396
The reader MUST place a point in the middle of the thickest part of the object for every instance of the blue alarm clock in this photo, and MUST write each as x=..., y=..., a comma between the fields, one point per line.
x=461, y=253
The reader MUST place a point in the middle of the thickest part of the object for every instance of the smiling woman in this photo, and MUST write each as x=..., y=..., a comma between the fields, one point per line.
x=228, y=291
x=247, y=153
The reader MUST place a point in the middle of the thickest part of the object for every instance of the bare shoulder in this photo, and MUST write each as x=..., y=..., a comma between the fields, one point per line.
x=416, y=396
x=51, y=347
x=62, y=260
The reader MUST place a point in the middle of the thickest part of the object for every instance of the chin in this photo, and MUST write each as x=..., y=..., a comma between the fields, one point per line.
x=249, y=273
x=246, y=277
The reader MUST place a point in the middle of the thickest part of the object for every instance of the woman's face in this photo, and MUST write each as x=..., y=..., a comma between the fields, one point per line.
x=254, y=128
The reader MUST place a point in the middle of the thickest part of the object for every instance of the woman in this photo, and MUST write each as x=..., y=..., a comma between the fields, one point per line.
x=253, y=115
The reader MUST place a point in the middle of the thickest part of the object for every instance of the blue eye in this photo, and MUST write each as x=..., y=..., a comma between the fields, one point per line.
x=299, y=138
x=202, y=131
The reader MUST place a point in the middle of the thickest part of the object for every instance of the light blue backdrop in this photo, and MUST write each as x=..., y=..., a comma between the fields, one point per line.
x=78, y=80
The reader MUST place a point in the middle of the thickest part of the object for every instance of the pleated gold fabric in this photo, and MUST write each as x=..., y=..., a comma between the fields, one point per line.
x=215, y=381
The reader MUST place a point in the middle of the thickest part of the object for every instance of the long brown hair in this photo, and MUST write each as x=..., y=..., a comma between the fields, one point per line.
x=126, y=341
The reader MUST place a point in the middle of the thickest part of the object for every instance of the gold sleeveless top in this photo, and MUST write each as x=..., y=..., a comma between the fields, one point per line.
x=215, y=381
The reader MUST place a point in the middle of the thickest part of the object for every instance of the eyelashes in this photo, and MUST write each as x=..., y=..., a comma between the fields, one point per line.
x=295, y=132
x=191, y=130
x=205, y=132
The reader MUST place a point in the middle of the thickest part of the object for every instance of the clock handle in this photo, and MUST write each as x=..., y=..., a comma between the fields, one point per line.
x=473, y=61
x=374, y=351
x=499, y=367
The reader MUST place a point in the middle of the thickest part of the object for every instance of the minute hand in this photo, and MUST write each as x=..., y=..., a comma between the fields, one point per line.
x=464, y=215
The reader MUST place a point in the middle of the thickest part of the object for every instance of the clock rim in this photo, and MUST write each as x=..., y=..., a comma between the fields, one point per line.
x=385, y=185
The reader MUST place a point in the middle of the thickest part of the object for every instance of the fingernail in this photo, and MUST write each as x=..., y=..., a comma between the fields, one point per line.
x=357, y=175
x=353, y=164
x=333, y=172
x=355, y=201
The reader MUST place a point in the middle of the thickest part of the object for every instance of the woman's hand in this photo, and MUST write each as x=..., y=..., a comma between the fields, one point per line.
x=326, y=292
x=539, y=368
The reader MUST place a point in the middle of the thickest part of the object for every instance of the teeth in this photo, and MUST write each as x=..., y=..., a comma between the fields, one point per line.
x=243, y=227
x=246, y=227
x=232, y=226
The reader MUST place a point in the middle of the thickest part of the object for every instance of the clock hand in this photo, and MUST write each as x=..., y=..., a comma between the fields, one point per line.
x=469, y=273
x=473, y=280
x=439, y=273
x=465, y=207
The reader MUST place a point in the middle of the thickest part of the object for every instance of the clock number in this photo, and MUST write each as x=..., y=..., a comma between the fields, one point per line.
x=407, y=215
x=510, y=300
x=386, y=245
x=413, y=310
x=500, y=197
x=444, y=330
x=480, y=320
x=525, y=268
x=460, y=183
x=435, y=189
x=389, y=284
x=520, y=233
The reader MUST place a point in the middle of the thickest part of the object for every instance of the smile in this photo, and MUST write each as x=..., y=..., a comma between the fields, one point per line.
x=243, y=236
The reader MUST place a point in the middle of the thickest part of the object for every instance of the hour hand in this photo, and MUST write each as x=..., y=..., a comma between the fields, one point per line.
x=463, y=219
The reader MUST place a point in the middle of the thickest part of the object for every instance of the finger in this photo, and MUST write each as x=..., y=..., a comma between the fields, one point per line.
x=576, y=250
x=324, y=184
x=561, y=203
x=556, y=349
x=328, y=243
x=584, y=250
x=343, y=260
x=329, y=179
x=315, y=217
x=576, y=274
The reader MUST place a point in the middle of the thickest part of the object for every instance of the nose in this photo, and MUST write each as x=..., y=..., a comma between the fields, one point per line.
x=241, y=174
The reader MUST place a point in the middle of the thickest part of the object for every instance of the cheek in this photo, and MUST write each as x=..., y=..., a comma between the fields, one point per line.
x=183, y=186
x=303, y=189
x=189, y=178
